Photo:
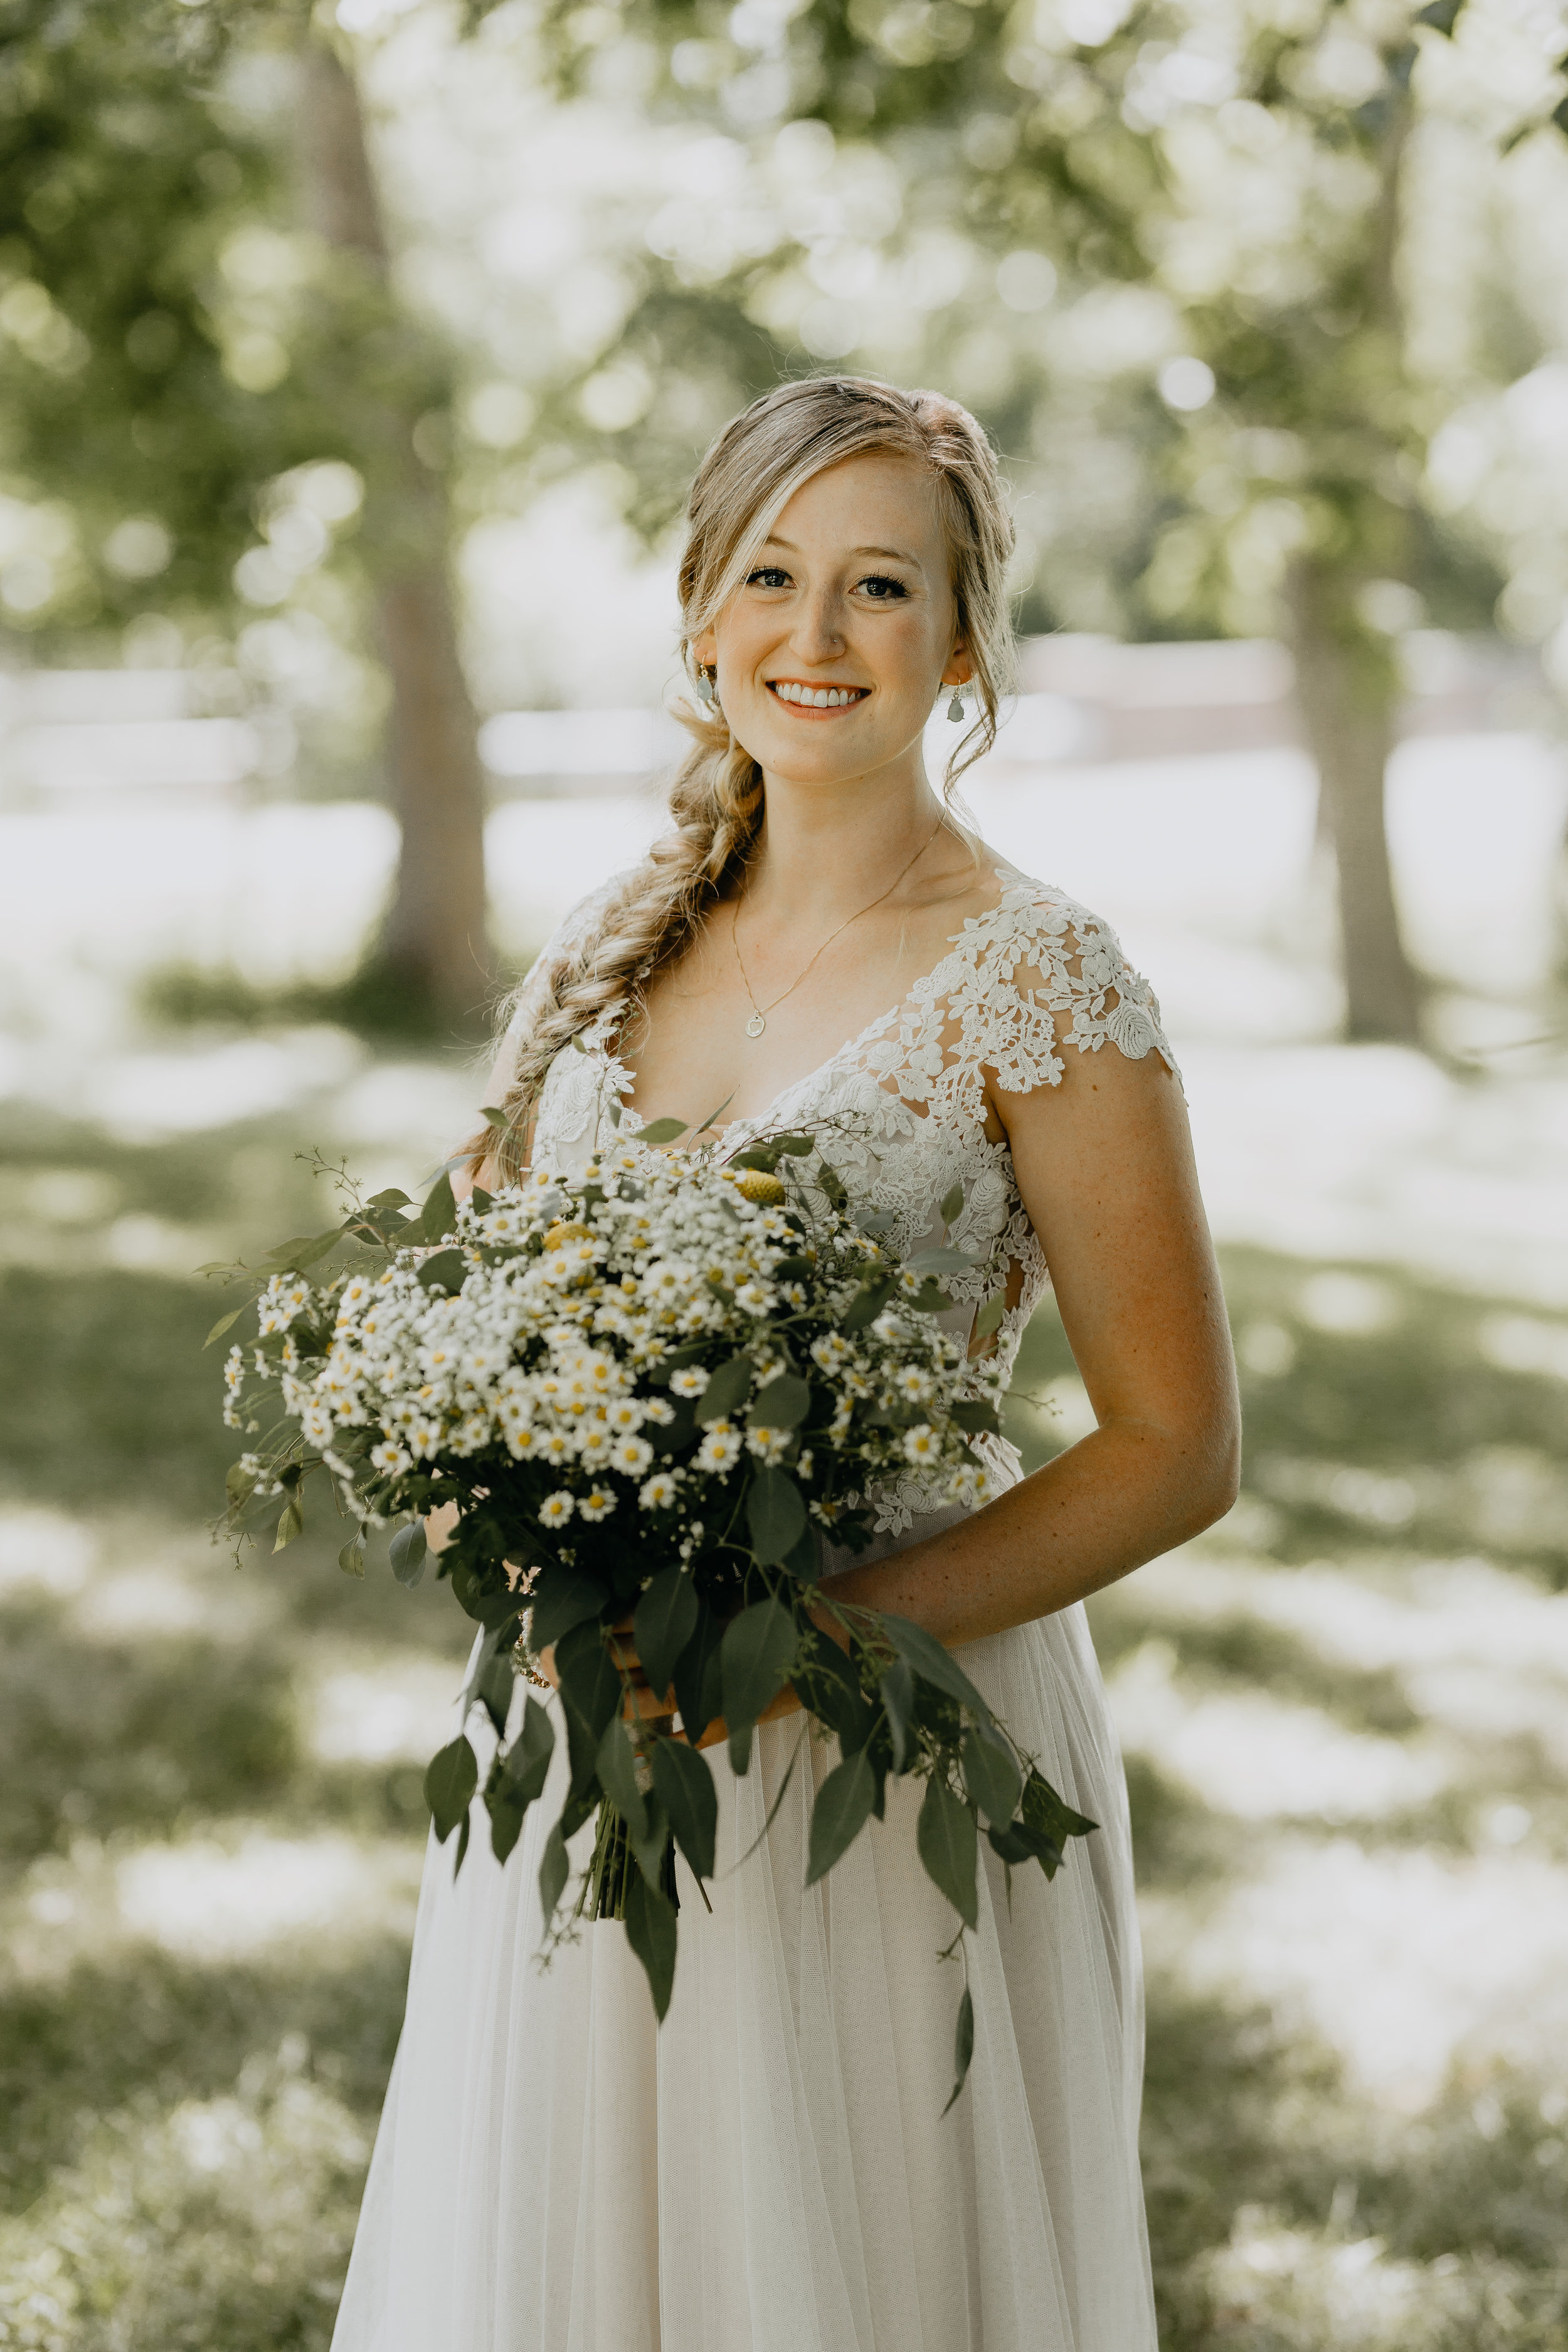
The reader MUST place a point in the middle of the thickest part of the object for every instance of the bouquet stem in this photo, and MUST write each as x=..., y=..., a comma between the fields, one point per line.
x=614, y=1865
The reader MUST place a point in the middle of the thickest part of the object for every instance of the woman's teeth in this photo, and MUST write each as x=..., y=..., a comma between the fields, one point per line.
x=818, y=697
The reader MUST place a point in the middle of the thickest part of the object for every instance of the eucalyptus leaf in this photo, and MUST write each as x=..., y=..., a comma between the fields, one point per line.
x=493, y=1686
x=988, y=1315
x=962, y=2045
x=527, y=1761
x=898, y=1688
x=562, y=1598
x=239, y=1485
x=505, y=1822
x=951, y=1204
x=1044, y=1811
x=350, y=1559
x=868, y=1303
x=839, y=1814
x=488, y=1603
x=439, y=1216
x=662, y=1130
x=685, y=1785
x=303, y=1252
x=775, y=1514
x=950, y=1847
x=290, y=1523
x=618, y=1772
x=225, y=1322
x=990, y=1773
x=450, y=1779
x=976, y=1414
x=663, y=1622
x=407, y=1553
x=465, y=1828
x=755, y=1656
x=554, y=1869
x=727, y=1390
x=782, y=1405
x=921, y=1651
x=831, y=1185
x=696, y=1667
x=651, y=1931
x=590, y=1695
x=494, y=1117
x=446, y=1271
x=943, y=1261
x=832, y=1689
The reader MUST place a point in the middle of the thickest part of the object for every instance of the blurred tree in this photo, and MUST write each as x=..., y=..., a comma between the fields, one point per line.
x=202, y=390
x=1241, y=166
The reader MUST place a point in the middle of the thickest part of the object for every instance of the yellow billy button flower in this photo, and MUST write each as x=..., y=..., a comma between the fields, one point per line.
x=561, y=1231
x=756, y=1184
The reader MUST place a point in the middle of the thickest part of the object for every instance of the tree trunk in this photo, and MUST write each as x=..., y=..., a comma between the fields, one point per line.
x=436, y=935
x=1347, y=685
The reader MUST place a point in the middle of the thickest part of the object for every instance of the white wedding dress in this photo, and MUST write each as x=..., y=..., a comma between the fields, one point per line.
x=770, y=2171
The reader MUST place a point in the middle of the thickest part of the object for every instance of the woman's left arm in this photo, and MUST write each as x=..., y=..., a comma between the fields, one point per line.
x=1104, y=1168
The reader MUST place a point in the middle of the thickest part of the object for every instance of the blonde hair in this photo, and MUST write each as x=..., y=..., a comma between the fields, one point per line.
x=748, y=476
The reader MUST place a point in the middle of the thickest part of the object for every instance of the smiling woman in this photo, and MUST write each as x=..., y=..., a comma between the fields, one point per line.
x=962, y=1059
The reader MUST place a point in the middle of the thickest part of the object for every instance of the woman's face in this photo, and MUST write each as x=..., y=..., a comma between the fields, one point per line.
x=832, y=653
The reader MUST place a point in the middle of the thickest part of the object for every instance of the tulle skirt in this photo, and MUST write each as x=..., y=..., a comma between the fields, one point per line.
x=770, y=2171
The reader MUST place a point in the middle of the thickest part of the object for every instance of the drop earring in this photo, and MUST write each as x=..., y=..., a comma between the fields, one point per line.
x=955, y=708
x=707, y=692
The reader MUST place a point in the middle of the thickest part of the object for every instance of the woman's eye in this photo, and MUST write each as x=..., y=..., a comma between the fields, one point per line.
x=883, y=589
x=768, y=576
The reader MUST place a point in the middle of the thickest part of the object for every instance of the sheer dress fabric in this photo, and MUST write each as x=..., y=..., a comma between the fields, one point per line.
x=770, y=2171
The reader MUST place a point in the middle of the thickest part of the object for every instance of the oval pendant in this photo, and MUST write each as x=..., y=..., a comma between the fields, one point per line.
x=755, y=1025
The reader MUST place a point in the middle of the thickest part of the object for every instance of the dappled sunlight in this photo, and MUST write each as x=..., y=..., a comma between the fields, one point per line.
x=1399, y=1958
x=379, y=1712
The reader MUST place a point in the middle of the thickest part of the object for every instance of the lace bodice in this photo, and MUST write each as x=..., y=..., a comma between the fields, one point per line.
x=901, y=1109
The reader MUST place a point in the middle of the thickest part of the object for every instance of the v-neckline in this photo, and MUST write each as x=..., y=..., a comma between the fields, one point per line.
x=1010, y=879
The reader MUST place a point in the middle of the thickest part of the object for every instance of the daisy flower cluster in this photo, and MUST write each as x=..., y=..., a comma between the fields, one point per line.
x=623, y=1350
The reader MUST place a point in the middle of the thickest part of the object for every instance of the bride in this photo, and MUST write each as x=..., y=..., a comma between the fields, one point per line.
x=819, y=941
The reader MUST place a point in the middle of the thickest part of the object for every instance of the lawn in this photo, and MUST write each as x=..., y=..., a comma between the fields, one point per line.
x=1344, y=1715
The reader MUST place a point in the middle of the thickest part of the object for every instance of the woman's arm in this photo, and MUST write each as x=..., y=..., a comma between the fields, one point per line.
x=1104, y=1168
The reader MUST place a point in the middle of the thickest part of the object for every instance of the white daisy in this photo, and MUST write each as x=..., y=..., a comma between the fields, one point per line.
x=556, y=1509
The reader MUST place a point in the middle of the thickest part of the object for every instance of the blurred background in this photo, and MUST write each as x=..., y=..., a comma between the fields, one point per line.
x=352, y=365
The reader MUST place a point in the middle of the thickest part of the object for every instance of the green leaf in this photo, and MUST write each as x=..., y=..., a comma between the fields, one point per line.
x=662, y=1130
x=651, y=1932
x=726, y=1390
x=290, y=1523
x=591, y=1693
x=1016, y=1843
x=408, y=1551
x=663, y=1622
x=350, y=1559
x=921, y=1651
x=494, y=1117
x=563, y=1598
x=439, y=1215
x=1044, y=1810
x=943, y=1261
x=951, y=1204
x=488, y=1604
x=239, y=1485
x=618, y=1767
x=775, y=1514
x=465, y=1829
x=868, y=1303
x=988, y=1317
x=950, y=1847
x=1442, y=15
x=225, y=1322
x=829, y=1686
x=799, y=1146
x=446, y=1271
x=450, y=1779
x=755, y=1656
x=975, y=1414
x=554, y=1869
x=990, y=1773
x=493, y=1686
x=782, y=1405
x=685, y=1785
x=839, y=1814
x=699, y=1666
x=831, y=1185
x=505, y=1822
x=898, y=1688
x=528, y=1757
x=962, y=2045
x=294, y=1256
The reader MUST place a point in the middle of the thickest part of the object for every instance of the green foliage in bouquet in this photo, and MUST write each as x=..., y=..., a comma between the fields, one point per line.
x=654, y=1392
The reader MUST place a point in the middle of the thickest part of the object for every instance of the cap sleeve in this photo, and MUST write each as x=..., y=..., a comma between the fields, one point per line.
x=1060, y=984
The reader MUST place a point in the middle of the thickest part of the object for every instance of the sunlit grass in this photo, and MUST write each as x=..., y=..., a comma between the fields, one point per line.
x=1344, y=1715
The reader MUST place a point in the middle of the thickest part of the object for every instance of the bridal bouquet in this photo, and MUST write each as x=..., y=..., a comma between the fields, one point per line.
x=652, y=1390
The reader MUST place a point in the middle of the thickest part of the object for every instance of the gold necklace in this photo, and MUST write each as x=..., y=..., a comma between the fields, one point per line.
x=758, y=1022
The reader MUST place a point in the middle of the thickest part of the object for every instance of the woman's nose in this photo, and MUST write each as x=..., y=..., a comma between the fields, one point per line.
x=818, y=635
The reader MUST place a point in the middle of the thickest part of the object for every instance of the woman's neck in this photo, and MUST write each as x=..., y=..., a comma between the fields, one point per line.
x=821, y=850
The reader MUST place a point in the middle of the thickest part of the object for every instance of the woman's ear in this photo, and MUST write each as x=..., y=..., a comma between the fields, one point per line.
x=960, y=669
x=705, y=650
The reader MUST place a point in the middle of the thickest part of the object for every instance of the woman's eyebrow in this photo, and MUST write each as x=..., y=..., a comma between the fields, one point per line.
x=896, y=554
